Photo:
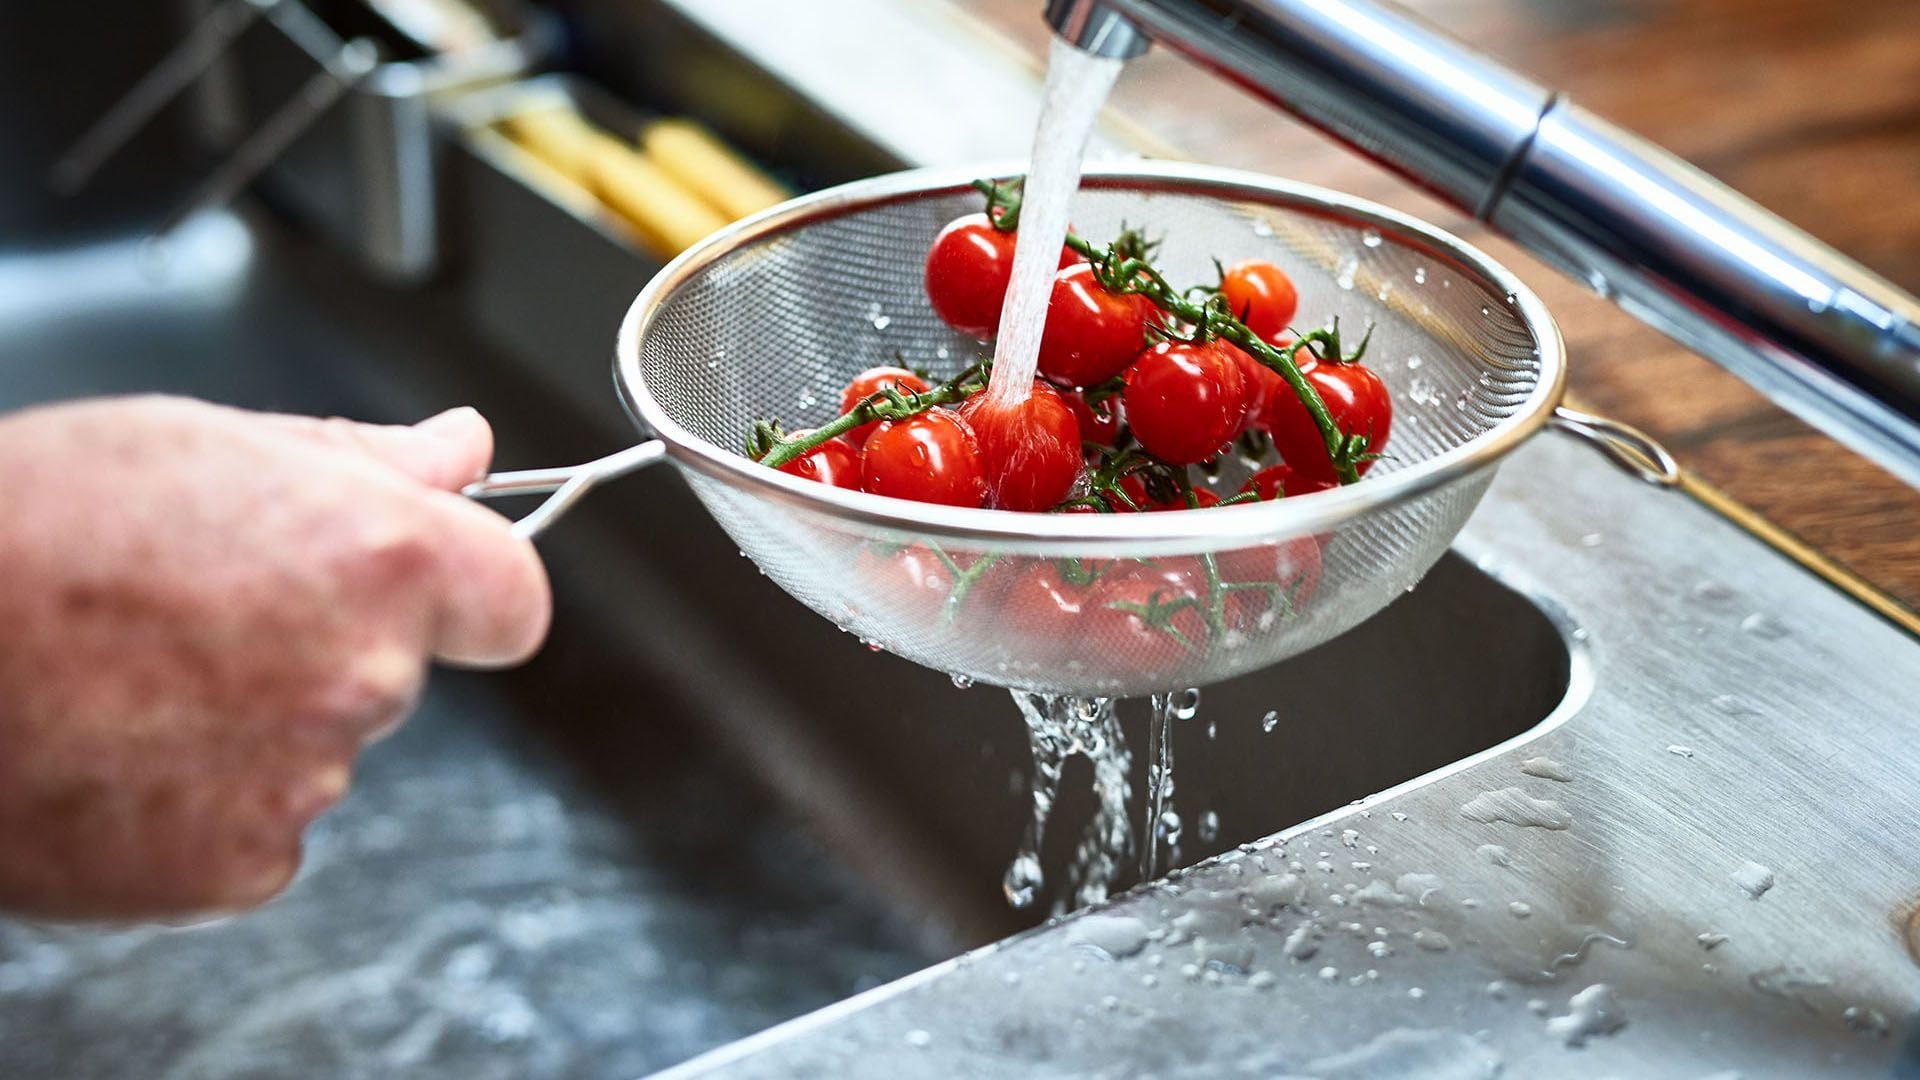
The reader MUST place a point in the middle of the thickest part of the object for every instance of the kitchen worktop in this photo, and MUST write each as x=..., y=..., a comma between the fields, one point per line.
x=1808, y=111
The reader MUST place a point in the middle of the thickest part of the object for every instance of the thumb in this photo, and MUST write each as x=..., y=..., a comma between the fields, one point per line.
x=446, y=451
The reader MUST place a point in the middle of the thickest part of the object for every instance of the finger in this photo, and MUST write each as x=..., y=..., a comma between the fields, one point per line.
x=495, y=602
x=446, y=451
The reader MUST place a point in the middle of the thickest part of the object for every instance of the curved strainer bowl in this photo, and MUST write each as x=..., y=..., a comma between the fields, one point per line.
x=770, y=318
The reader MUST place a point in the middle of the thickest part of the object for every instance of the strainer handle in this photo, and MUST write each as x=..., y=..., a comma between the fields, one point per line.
x=1634, y=451
x=565, y=485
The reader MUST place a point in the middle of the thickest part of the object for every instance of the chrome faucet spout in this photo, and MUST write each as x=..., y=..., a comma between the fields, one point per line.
x=1820, y=334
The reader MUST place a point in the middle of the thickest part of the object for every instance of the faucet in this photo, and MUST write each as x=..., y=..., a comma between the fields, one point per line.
x=1818, y=333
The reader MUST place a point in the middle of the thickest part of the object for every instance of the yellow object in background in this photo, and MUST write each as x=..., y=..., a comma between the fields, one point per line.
x=694, y=156
x=669, y=215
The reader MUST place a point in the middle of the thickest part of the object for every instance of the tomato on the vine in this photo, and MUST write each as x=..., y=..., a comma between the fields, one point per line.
x=968, y=268
x=929, y=457
x=1039, y=611
x=1091, y=334
x=1260, y=380
x=833, y=463
x=1286, y=571
x=1276, y=481
x=1099, y=421
x=1030, y=448
x=1261, y=295
x=1185, y=400
x=1356, y=398
x=913, y=581
x=1143, y=620
x=870, y=382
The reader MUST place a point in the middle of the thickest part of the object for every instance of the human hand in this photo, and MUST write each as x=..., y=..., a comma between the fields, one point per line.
x=204, y=614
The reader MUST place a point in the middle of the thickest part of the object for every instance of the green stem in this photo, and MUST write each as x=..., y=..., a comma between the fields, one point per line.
x=885, y=405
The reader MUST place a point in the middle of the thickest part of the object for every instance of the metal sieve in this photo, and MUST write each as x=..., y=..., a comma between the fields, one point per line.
x=769, y=318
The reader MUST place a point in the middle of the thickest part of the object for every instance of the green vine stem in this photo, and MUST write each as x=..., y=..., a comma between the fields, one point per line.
x=771, y=447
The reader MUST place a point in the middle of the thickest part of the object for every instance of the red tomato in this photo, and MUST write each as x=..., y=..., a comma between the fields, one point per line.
x=1261, y=381
x=833, y=463
x=1099, y=424
x=870, y=382
x=1114, y=636
x=1201, y=496
x=1358, y=401
x=1276, y=481
x=913, y=581
x=1290, y=567
x=968, y=268
x=1031, y=449
x=1261, y=295
x=1040, y=612
x=1184, y=401
x=931, y=457
x=1091, y=334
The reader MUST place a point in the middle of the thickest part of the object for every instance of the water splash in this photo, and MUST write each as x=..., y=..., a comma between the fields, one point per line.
x=1516, y=807
x=1593, y=1011
x=1059, y=727
x=1162, y=825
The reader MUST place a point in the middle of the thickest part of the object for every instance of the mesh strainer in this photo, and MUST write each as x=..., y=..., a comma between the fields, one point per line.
x=770, y=318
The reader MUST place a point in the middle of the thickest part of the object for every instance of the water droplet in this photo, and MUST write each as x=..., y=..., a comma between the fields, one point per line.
x=1023, y=879
x=1419, y=275
x=1519, y=909
x=962, y=681
x=1711, y=592
x=920, y=1038
x=1866, y=1021
x=1323, y=866
x=1422, y=391
x=1185, y=703
x=1680, y=751
x=1329, y=973
x=1764, y=627
x=1260, y=980
x=1709, y=940
x=1592, y=540
x=1498, y=989
x=1379, y=950
x=1547, y=769
x=1495, y=854
x=1753, y=877
x=1415, y=362
x=1209, y=826
x=1149, y=981
x=1213, y=730
x=1344, y=273
x=1431, y=940
x=1270, y=721
x=1593, y=1011
x=1262, y=227
x=1516, y=807
x=1416, y=993
x=1370, y=237
x=941, y=352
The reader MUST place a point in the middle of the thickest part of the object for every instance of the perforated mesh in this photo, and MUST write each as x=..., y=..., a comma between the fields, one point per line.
x=774, y=328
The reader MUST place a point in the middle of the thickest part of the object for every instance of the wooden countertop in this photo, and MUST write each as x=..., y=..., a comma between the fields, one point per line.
x=1811, y=111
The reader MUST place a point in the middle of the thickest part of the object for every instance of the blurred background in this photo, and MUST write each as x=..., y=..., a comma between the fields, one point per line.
x=615, y=859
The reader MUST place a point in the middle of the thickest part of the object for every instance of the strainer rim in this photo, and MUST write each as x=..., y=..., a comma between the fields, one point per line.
x=1218, y=527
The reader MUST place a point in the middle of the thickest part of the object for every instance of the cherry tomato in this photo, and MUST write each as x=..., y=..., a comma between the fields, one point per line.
x=1276, y=481
x=1287, y=571
x=870, y=382
x=1040, y=612
x=1201, y=496
x=1117, y=635
x=930, y=457
x=1091, y=334
x=1260, y=383
x=968, y=268
x=1358, y=401
x=1099, y=423
x=1031, y=449
x=1184, y=400
x=913, y=581
x=833, y=463
x=1261, y=295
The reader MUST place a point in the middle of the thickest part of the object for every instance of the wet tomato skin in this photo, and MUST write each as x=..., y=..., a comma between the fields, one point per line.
x=1030, y=449
x=931, y=457
x=967, y=271
x=870, y=382
x=1185, y=400
x=1091, y=334
x=1356, y=397
x=1262, y=296
x=833, y=463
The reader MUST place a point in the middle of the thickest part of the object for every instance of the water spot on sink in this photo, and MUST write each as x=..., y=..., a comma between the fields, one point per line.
x=1865, y=1021
x=1765, y=627
x=1431, y=940
x=1113, y=936
x=1302, y=942
x=1680, y=751
x=1547, y=769
x=1350, y=837
x=1379, y=894
x=1400, y=1052
x=1329, y=974
x=1495, y=854
x=1753, y=877
x=1591, y=1012
x=919, y=1038
x=1519, y=909
x=1790, y=982
x=1580, y=951
x=1498, y=989
x=1398, y=816
x=1711, y=593
x=1709, y=940
x=1419, y=886
x=1516, y=807
x=962, y=681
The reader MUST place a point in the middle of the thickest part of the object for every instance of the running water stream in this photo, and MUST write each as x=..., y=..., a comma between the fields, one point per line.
x=1077, y=85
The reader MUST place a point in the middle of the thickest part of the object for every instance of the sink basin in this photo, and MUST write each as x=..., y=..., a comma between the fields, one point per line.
x=702, y=810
